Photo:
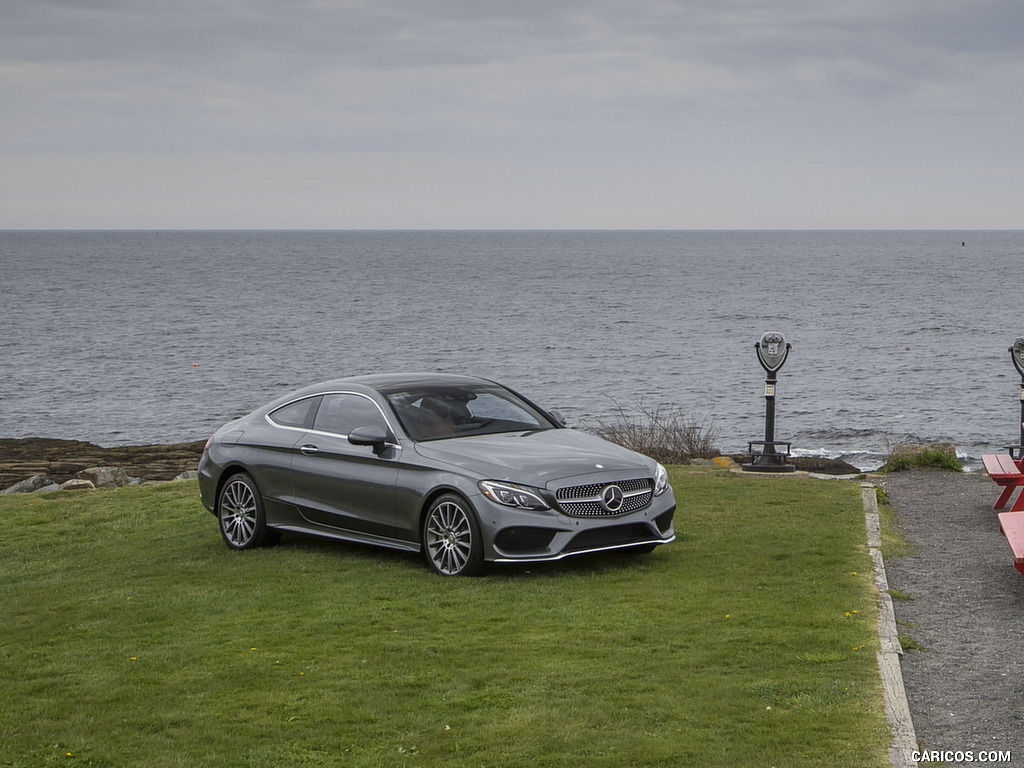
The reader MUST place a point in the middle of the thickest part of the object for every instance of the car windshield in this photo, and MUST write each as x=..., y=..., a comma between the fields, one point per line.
x=438, y=412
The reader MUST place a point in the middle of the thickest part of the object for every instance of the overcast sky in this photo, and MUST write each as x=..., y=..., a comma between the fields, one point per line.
x=678, y=114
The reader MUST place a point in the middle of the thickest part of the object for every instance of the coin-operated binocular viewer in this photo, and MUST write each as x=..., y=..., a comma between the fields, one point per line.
x=1017, y=355
x=772, y=351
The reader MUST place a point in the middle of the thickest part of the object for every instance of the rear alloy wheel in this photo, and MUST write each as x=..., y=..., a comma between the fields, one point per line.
x=240, y=511
x=451, y=537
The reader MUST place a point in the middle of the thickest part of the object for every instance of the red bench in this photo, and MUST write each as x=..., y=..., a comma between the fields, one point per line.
x=1011, y=525
x=1002, y=468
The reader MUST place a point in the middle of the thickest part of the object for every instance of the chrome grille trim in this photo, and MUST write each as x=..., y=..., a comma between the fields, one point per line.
x=585, y=500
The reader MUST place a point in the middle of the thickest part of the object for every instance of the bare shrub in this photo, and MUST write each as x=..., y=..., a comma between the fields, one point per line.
x=665, y=433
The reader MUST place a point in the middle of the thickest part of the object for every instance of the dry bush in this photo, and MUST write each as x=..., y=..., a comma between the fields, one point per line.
x=665, y=433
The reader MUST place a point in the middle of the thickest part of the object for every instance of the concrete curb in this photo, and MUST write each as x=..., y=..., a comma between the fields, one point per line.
x=897, y=710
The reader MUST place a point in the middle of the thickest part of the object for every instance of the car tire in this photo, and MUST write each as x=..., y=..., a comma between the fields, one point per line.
x=243, y=523
x=452, y=543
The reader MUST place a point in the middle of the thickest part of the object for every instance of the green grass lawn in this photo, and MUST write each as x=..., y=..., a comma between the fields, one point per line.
x=130, y=635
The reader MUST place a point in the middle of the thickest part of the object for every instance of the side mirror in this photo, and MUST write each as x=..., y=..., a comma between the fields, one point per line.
x=558, y=417
x=370, y=435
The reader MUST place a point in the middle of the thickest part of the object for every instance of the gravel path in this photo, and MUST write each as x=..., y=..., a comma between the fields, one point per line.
x=966, y=687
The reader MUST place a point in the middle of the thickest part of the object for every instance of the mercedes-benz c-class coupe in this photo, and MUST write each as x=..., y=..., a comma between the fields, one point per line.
x=461, y=469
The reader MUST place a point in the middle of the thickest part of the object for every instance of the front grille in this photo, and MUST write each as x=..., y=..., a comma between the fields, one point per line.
x=585, y=500
x=612, y=536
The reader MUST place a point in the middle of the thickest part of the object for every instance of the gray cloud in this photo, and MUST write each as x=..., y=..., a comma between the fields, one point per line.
x=696, y=85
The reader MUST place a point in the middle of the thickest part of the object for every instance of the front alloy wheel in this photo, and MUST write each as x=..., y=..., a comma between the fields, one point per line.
x=451, y=538
x=240, y=511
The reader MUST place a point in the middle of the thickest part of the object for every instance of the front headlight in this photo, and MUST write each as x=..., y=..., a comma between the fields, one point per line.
x=660, y=481
x=512, y=495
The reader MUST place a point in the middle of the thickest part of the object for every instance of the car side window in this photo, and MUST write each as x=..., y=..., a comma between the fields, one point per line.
x=340, y=414
x=297, y=414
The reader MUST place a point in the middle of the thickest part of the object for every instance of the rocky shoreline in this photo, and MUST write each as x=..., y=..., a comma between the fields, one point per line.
x=62, y=460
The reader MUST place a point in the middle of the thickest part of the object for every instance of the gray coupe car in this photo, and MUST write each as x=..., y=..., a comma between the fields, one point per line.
x=462, y=469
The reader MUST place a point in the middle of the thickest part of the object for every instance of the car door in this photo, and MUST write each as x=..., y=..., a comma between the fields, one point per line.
x=340, y=485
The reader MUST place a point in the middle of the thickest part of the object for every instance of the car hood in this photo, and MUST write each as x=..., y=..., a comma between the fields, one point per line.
x=536, y=458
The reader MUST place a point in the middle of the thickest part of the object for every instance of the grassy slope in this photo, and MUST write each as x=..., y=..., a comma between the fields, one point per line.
x=130, y=635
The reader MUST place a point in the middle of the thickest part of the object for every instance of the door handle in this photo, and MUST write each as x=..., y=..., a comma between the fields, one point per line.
x=309, y=450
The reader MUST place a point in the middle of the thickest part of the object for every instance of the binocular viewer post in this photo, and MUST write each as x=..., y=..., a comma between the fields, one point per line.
x=772, y=352
x=1017, y=356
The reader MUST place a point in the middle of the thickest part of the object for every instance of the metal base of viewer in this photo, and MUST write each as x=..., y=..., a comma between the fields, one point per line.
x=770, y=460
x=768, y=466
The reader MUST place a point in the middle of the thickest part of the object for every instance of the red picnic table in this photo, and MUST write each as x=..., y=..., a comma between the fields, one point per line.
x=1006, y=471
x=1011, y=525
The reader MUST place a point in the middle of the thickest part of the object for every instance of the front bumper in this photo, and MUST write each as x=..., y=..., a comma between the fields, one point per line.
x=523, y=536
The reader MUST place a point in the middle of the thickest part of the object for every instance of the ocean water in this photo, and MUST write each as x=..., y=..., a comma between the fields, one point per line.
x=138, y=337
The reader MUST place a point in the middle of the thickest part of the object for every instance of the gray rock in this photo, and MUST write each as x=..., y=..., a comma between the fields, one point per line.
x=28, y=486
x=77, y=484
x=104, y=477
x=189, y=475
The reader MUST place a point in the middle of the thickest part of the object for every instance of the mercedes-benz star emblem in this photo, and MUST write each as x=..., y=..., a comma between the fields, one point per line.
x=611, y=498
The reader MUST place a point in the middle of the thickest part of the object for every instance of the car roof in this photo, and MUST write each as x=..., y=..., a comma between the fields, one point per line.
x=397, y=381
x=383, y=383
